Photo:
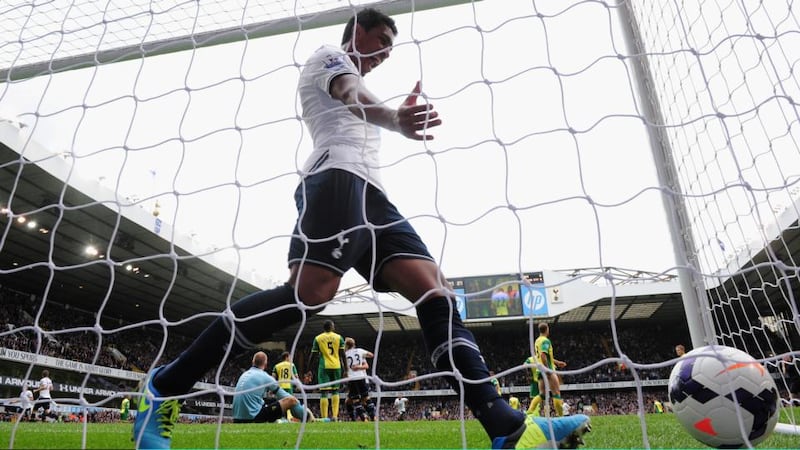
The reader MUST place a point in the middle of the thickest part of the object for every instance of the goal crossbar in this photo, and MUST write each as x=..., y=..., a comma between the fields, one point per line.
x=227, y=35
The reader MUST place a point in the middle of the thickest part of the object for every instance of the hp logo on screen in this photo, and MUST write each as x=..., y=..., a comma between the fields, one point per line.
x=535, y=301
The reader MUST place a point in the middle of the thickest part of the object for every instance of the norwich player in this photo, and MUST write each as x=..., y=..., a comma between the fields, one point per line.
x=285, y=371
x=125, y=408
x=544, y=353
x=329, y=345
x=533, y=406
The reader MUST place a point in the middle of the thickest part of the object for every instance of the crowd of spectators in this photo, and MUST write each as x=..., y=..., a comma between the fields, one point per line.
x=400, y=357
x=400, y=364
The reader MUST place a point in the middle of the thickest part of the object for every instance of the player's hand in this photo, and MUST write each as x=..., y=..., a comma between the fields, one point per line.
x=414, y=120
x=561, y=364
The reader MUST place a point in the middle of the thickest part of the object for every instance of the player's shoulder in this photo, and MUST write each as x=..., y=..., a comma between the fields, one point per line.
x=326, y=50
x=331, y=58
x=259, y=373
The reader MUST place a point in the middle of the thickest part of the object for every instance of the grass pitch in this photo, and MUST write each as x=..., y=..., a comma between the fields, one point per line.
x=663, y=431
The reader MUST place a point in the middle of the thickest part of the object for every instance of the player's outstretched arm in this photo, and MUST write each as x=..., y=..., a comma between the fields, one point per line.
x=409, y=119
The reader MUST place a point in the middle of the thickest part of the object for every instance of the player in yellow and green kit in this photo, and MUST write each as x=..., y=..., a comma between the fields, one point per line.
x=544, y=353
x=284, y=372
x=125, y=408
x=533, y=407
x=330, y=347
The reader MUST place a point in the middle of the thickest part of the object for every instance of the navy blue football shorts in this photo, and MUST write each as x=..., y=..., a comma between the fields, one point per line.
x=331, y=206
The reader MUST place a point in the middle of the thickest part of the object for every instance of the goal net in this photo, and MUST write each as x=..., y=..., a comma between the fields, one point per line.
x=718, y=87
x=649, y=135
x=719, y=83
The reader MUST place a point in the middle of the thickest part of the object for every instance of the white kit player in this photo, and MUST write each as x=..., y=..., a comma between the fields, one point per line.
x=359, y=404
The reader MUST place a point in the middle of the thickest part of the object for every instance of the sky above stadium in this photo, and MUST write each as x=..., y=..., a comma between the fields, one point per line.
x=542, y=161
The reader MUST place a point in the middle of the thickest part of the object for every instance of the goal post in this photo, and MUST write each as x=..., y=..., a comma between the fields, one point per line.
x=695, y=300
x=716, y=86
x=16, y=65
x=555, y=114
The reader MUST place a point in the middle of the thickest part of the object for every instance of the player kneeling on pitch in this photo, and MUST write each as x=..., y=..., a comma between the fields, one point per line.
x=249, y=405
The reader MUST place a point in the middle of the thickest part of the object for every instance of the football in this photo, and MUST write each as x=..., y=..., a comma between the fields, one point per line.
x=723, y=397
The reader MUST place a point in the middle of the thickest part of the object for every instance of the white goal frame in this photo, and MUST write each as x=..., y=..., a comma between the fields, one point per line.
x=211, y=38
x=687, y=241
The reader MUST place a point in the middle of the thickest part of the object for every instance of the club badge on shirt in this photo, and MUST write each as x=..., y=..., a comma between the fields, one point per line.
x=333, y=62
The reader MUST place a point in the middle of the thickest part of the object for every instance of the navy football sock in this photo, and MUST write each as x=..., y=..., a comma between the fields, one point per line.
x=209, y=349
x=436, y=317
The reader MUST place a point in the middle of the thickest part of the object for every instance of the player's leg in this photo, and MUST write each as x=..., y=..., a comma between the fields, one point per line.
x=555, y=387
x=536, y=401
x=403, y=264
x=315, y=273
x=329, y=395
x=157, y=415
x=272, y=410
x=369, y=405
x=47, y=410
x=356, y=388
x=286, y=404
x=315, y=285
x=437, y=314
x=349, y=402
x=335, y=399
x=289, y=390
x=542, y=398
x=359, y=413
x=324, y=392
x=324, y=400
x=446, y=336
x=366, y=401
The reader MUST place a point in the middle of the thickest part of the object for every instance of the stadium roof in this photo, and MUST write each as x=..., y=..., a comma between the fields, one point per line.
x=144, y=268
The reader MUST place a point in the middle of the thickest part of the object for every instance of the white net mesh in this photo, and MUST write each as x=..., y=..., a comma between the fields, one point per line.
x=723, y=75
x=543, y=162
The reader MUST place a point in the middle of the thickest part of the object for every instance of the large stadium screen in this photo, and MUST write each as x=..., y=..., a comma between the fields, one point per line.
x=494, y=296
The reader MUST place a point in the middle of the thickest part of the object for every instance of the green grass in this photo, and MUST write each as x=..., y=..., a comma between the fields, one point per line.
x=663, y=431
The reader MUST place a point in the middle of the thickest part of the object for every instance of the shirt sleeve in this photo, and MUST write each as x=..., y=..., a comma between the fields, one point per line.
x=330, y=62
x=314, y=346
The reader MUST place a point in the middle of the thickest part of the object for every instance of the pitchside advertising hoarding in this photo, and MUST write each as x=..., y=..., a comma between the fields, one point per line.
x=498, y=296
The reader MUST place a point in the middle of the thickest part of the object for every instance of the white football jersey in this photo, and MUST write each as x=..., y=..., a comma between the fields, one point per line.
x=342, y=140
x=356, y=356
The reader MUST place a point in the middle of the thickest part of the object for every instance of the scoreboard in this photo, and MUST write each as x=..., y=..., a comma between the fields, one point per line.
x=503, y=295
